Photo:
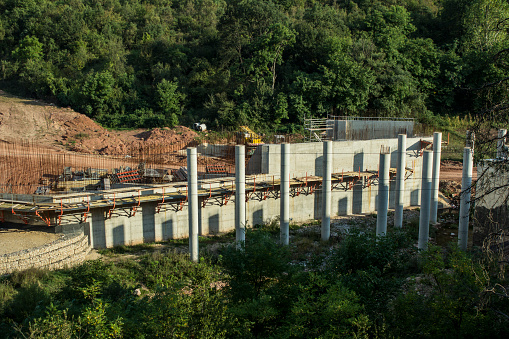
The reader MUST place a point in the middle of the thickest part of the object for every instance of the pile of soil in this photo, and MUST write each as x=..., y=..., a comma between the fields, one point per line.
x=57, y=127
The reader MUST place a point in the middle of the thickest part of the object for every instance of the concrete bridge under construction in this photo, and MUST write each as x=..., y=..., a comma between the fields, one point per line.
x=157, y=212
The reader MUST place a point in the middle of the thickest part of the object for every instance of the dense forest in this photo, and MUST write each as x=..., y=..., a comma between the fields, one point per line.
x=270, y=63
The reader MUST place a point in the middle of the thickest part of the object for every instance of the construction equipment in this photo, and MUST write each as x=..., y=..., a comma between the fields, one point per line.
x=247, y=137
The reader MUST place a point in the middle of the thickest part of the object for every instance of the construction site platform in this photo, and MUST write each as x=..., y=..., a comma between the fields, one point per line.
x=174, y=196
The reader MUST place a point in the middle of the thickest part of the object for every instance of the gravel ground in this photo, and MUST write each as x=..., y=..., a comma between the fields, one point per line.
x=13, y=240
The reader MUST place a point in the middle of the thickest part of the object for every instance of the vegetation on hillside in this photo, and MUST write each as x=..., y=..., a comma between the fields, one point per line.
x=270, y=63
x=355, y=286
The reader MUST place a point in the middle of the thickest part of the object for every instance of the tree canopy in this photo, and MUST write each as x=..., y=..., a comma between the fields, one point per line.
x=148, y=63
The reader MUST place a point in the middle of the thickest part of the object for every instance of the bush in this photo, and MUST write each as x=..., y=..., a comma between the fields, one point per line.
x=451, y=299
x=373, y=267
x=325, y=310
x=255, y=265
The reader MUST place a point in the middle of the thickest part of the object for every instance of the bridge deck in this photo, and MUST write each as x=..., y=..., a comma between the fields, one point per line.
x=224, y=192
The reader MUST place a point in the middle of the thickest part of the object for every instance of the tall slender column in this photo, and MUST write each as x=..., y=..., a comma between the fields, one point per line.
x=240, y=193
x=437, y=152
x=466, y=183
x=326, y=189
x=400, y=181
x=192, y=184
x=383, y=191
x=425, y=200
x=285, y=194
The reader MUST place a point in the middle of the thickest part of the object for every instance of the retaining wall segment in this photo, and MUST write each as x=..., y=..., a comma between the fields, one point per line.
x=148, y=225
x=67, y=251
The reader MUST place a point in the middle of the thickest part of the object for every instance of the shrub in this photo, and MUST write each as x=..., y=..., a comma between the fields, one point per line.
x=254, y=265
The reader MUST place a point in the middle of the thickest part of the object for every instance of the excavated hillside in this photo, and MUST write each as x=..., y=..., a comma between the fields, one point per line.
x=62, y=128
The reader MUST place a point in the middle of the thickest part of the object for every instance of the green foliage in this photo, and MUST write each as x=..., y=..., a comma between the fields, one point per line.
x=373, y=267
x=453, y=293
x=29, y=48
x=361, y=287
x=169, y=101
x=325, y=310
x=151, y=64
x=253, y=266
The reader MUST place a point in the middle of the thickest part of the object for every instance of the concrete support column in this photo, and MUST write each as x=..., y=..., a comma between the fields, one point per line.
x=326, y=189
x=383, y=192
x=437, y=152
x=466, y=183
x=425, y=200
x=400, y=181
x=192, y=191
x=501, y=142
x=240, y=193
x=470, y=139
x=285, y=194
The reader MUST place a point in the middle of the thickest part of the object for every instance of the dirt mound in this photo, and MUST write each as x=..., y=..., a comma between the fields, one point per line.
x=51, y=126
x=167, y=135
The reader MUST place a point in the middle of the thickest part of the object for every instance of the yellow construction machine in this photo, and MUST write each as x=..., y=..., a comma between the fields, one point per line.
x=247, y=137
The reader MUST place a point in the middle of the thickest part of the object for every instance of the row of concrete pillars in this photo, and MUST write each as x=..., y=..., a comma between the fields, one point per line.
x=429, y=193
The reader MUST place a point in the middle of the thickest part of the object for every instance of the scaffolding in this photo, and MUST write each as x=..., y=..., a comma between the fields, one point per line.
x=319, y=130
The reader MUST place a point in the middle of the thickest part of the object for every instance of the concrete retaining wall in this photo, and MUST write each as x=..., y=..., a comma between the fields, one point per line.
x=492, y=204
x=347, y=156
x=68, y=251
x=148, y=225
x=369, y=129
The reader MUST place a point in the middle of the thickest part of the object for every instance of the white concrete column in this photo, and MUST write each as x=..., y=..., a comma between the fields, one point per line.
x=437, y=152
x=285, y=194
x=326, y=189
x=425, y=200
x=400, y=181
x=383, y=192
x=466, y=183
x=501, y=142
x=192, y=191
x=470, y=139
x=240, y=193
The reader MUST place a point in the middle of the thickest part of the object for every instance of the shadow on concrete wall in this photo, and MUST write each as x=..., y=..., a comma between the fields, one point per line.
x=200, y=224
x=317, y=202
x=414, y=197
x=318, y=166
x=392, y=193
x=258, y=218
x=118, y=233
x=343, y=206
x=148, y=222
x=98, y=229
x=375, y=191
x=214, y=224
x=357, y=201
x=167, y=230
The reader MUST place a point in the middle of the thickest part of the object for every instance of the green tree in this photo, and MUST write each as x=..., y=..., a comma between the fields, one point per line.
x=169, y=101
x=486, y=24
x=29, y=48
